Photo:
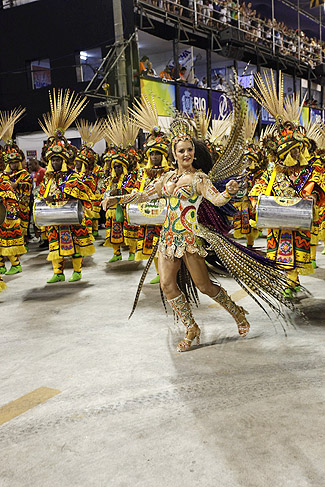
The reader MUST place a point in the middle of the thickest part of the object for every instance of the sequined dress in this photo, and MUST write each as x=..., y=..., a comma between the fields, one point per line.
x=180, y=230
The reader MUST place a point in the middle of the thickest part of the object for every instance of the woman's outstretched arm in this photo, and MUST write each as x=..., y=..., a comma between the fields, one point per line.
x=203, y=185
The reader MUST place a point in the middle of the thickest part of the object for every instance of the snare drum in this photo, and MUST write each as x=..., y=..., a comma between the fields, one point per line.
x=282, y=212
x=148, y=213
x=61, y=213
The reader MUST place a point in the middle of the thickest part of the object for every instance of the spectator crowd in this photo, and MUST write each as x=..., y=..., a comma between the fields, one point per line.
x=272, y=34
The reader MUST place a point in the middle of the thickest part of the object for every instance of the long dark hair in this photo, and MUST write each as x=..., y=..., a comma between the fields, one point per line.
x=202, y=157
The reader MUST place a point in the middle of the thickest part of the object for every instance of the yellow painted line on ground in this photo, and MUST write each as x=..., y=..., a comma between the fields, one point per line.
x=236, y=296
x=26, y=402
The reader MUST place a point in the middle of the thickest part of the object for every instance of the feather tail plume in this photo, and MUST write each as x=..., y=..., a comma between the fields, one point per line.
x=143, y=277
x=8, y=119
x=319, y=134
x=65, y=107
x=232, y=161
x=258, y=276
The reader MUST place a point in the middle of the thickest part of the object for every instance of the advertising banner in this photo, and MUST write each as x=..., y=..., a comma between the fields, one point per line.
x=162, y=93
x=315, y=115
x=221, y=104
x=266, y=117
x=192, y=97
x=304, y=117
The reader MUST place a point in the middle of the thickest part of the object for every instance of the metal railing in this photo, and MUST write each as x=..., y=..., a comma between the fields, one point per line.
x=271, y=35
x=14, y=3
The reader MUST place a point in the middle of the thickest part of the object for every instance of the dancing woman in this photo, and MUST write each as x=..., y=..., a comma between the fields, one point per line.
x=184, y=238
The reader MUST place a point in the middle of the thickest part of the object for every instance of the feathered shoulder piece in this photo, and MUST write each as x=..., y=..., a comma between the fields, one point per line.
x=8, y=119
x=65, y=107
x=232, y=161
x=90, y=133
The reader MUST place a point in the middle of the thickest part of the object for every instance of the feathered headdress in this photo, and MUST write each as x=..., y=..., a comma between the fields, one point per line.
x=90, y=133
x=145, y=116
x=122, y=131
x=11, y=151
x=65, y=107
x=267, y=94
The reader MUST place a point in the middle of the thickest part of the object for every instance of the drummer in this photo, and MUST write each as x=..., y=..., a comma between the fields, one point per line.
x=156, y=151
x=62, y=184
x=11, y=238
x=289, y=178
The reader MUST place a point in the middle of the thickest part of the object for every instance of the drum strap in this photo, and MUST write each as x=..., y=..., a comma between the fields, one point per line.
x=47, y=189
x=270, y=185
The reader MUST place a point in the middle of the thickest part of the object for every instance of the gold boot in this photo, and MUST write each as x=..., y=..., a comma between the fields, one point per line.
x=183, y=311
x=237, y=312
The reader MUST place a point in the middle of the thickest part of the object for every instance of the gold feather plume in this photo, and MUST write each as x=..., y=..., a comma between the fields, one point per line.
x=120, y=130
x=219, y=128
x=90, y=133
x=145, y=115
x=317, y=133
x=113, y=129
x=267, y=131
x=267, y=94
x=8, y=119
x=65, y=107
x=293, y=107
x=250, y=125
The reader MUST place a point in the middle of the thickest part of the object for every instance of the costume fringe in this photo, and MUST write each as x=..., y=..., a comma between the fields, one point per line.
x=142, y=279
x=13, y=250
x=83, y=251
x=258, y=276
x=186, y=285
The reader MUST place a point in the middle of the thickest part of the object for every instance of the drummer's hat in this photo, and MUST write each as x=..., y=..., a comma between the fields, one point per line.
x=290, y=141
x=91, y=133
x=65, y=108
x=11, y=151
x=120, y=133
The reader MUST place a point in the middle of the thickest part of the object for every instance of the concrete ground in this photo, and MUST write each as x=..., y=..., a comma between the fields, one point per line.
x=128, y=411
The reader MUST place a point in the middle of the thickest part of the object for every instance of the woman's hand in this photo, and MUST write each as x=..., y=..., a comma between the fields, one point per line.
x=108, y=202
x=232, y=187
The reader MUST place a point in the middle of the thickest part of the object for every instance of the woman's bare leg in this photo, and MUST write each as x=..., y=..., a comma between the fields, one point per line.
x=168, y=276
x=168, y=281
x=199, y=273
